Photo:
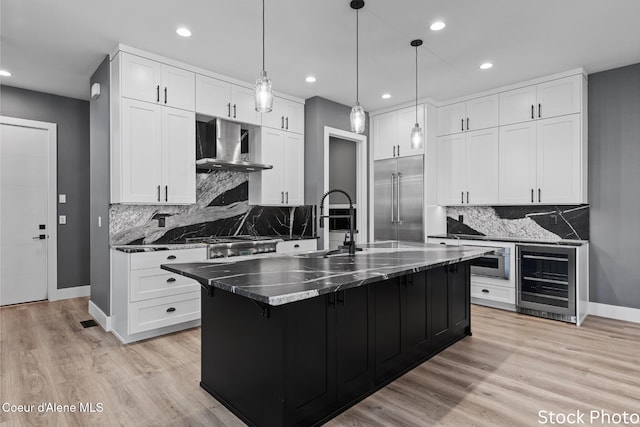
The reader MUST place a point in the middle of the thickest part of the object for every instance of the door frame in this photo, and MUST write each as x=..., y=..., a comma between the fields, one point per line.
x=361, y=201
x=52, y=178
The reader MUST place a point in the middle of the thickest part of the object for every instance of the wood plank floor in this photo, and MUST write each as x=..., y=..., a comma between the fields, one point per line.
x=512, y=367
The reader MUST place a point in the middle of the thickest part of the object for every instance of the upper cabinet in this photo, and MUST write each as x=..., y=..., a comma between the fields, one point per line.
x=392, y=133
x=475, y=114
x=151, y=81
x=286, y=115
x=217, y=98
x=550, y=99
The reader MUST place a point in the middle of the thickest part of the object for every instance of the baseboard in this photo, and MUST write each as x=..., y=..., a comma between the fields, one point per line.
x=102, y=319
x=75, y=292
x=614, y=312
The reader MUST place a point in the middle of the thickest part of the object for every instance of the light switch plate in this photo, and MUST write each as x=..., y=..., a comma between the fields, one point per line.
x=62, y=219
x=62, y=198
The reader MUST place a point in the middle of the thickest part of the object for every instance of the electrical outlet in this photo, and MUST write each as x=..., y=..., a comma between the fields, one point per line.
x=460, y=218
x=62, y=219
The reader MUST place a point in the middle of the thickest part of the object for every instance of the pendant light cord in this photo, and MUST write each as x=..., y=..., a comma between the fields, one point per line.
x=263, y=68
x=416, y=84
x=357, y=57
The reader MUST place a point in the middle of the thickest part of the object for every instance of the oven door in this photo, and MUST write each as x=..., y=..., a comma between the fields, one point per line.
x=492, y=265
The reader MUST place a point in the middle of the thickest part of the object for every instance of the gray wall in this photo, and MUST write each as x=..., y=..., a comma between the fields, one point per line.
x=72, y=117
x=342, y=169
x=99, y=204
x=318, y=113
x=614, y=186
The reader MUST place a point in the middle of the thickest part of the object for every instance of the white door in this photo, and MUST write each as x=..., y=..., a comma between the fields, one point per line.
x=178, y=88
x=482, y=167
x=244, y=105
x=517, y=163
x=25, y=210
x=451, y=118
x=518, y=105
x=482, y=113
x=451, y=169
x=384, y=135
x=293, y=172
x=213, y=97
x=178, y=156
x=141, y=78
x=295, y=114
x=406, y=122
x=559, y=97
x=272, y=179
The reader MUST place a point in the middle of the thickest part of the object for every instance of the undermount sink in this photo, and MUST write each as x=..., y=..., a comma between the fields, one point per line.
x=326, y=254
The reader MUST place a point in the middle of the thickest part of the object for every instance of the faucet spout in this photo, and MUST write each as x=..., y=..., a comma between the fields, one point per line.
x=351, y=244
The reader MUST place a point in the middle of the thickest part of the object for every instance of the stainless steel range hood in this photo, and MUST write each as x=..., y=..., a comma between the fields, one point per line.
x=228, y=150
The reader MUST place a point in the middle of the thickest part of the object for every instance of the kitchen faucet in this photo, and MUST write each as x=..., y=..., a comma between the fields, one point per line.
x=351, y=244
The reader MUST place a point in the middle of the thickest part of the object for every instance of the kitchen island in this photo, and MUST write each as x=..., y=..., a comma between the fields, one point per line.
x=297, y=339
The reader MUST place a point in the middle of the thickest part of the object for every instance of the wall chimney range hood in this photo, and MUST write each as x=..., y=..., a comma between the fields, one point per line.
x=220, y=147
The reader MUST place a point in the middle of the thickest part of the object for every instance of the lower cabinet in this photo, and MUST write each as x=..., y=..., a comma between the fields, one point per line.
x=293, y=246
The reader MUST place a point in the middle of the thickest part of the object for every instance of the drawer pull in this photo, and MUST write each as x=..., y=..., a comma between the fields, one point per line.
x=171, y=309
x=296, y=245
x=486, y=291
x=171, y=279
x=171, y=257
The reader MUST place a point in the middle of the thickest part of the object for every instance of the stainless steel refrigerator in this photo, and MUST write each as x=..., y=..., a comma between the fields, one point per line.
x=398, y=195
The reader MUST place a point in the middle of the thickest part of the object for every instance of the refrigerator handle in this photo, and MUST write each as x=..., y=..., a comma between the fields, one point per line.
x=398, y=197
x=393, y=199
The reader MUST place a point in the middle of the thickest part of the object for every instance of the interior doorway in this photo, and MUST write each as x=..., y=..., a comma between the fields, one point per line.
x=345, y=167
x=28, y=261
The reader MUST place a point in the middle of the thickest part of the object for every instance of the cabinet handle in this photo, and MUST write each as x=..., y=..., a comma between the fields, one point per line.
x=234, y=111
x=486, y=291
x=158, y=193
x=467, y=123
x=539, y=195
x=171, y=309
x=281, y=122
x=287, y=194
x=467, y=197
x=229, y=109
x=539, y=110
x=171, y=257
x=532, y=112
x=171, y=279
x=166, y=193
x=287, y=121
x=462, y=125
x=394, y=151
x=296, y=245
x=158, y=93
x=532, y=195
x=398, y=150
x=462, y=197
x=282, y=197
x=165, y=94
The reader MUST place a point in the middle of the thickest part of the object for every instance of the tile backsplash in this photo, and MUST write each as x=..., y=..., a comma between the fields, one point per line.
x=221, y=209
x=536, y=222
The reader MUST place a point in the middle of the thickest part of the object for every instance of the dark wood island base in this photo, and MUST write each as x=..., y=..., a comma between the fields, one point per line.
x=303, y=363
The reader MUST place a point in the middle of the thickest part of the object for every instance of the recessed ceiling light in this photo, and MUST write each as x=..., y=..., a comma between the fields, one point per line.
x=486, y=66
x=437, y=26
x=183, y=32
x=385, y=96
x=5, y=73
x=310, y=79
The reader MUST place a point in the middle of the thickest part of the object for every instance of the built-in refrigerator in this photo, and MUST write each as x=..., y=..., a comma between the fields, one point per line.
x=398, y=199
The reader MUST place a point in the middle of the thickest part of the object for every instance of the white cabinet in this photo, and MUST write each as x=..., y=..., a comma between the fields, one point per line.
x=475, y=114
x=294, y=246
x=468, y=168
x=392, y=133
x=153, y=155
x=284, y=184
x=148, y=301
x=286, y=115
x=150, y=81
x=545, y=100
x=542, y=162
x=217, y=98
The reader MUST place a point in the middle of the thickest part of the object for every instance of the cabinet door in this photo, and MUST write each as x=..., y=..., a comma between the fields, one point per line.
x=179, y=156
x=388, y=326
x=213, y=97
x=293, y=165
x=482, y=113
x=517, y=163
x=272, y=180
x=141, y=78
x=482, y=167
x=275, y=118
x=559, y=97
x=178, y=88
x=295, y=117
x=518, y=105
x=438, y=289
x=384, y=135
x=405, y=123
x=244, y=105
x=416, y=331
x=559, y=170
x=141, y=152
x=451, y=118
x=459, y=294
x=451, y=169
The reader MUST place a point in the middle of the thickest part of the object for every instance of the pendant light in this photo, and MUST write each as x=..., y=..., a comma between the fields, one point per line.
x=263, y=92
x=357, y=117
x=417, y=136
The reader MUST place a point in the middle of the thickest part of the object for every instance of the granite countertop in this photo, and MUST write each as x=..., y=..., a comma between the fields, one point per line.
x=562, y=242
x=131, y=249
x=281, y=279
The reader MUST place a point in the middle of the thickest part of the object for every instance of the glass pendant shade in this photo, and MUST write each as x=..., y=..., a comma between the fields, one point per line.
x=357, y=118
x=263, y=94
x=417, y=137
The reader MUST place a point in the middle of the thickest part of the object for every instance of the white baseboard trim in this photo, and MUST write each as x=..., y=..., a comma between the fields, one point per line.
x=614, y=312
x=102, y=319
x=68, y=293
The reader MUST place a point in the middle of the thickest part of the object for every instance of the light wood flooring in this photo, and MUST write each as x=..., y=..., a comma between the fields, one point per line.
x=512, y=367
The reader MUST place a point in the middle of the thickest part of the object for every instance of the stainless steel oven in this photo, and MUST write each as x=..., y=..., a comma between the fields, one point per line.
x=546, y=281
x=495, y=264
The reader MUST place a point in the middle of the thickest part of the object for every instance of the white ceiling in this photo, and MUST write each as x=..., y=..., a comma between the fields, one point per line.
x=54, y=46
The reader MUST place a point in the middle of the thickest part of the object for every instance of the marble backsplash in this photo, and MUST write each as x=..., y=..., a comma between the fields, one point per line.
x=221, y=209
x=536, y=222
